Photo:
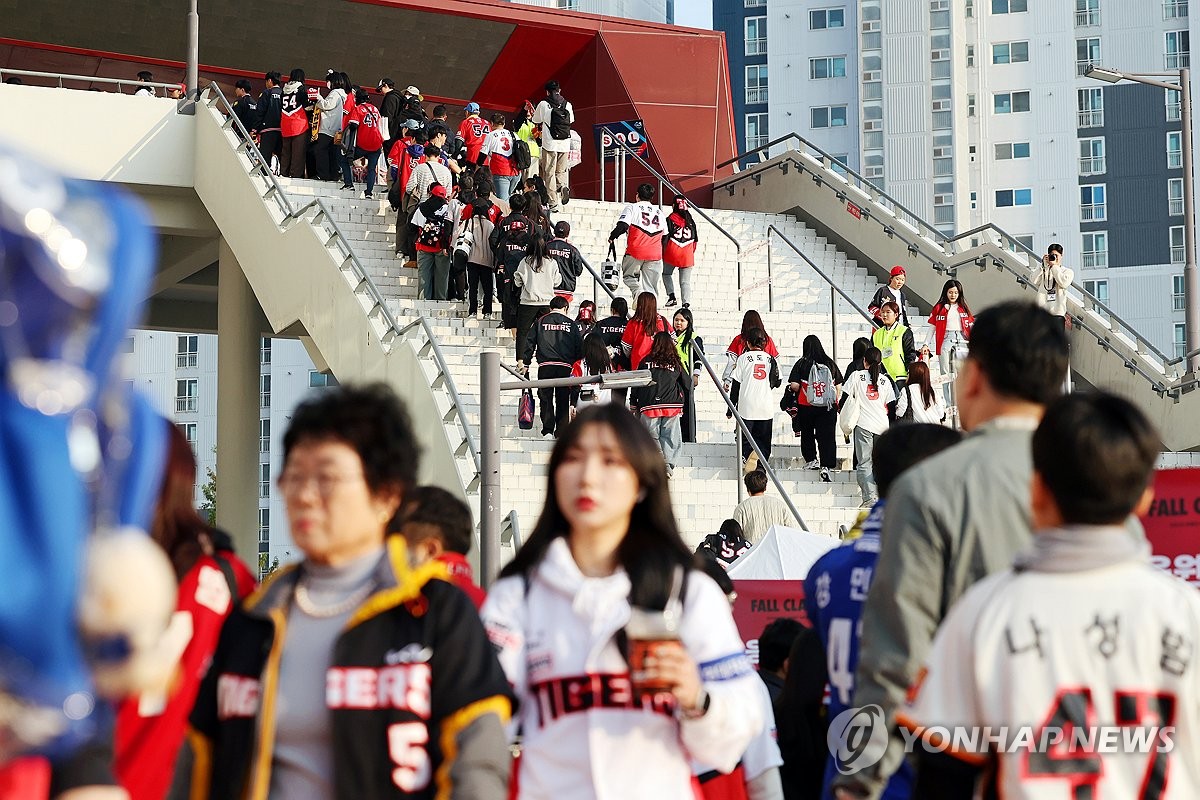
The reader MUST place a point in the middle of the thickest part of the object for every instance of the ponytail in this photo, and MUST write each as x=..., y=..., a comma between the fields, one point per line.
x=874, y=361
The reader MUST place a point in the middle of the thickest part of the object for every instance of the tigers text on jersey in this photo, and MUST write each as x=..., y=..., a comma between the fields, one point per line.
x=646, y=227
x=1086, y=676
x=756, y=398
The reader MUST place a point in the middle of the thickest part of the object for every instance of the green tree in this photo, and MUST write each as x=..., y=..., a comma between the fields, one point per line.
x=209, y=490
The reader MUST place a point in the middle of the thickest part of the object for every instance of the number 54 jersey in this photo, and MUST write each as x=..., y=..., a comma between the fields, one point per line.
x=1074, y=674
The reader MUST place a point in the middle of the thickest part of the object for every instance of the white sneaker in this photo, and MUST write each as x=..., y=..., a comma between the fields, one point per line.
x=547, y=435
x=814, y=464
x=478, y=315
x=825, y=475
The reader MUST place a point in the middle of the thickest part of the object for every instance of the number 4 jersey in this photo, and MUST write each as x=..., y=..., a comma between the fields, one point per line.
x=1075, y=674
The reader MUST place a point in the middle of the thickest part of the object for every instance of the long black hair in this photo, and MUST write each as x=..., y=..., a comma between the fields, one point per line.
x=962, y=296
x=535, y=251
x=689, y=333
x=813, y=352
x=652, y=549
x=595, y=354
x=873, y=361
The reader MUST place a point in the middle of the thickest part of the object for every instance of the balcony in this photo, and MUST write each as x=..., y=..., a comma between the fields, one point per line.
x=1087, y=19
x=1175, y=208
x=1081, y=67
x=1093, y=165
x=1178, y=302
x=756, y=95
x=1173, y=60
x=1175, y=9
x=756, y=47
x=1091, y=119
x=1174, y=159
x=1177, y=254
x=1172, y=112
x=185, y=360
x=1093, y=212
x=1093, y=260
x=185, y=405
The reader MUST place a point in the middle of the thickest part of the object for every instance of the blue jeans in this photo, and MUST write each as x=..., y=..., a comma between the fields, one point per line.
x=503, y=185
x=667, y=433
x=372, y=165
x=864, y=441
x=433, y=275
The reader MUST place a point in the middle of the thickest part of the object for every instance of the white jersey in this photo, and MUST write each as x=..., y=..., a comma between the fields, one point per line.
x=756, y=398
x=872, y=400
x=583, y=738
x=1111, y=651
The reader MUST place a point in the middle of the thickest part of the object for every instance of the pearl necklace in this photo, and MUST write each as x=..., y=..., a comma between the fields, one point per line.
x=306, y=605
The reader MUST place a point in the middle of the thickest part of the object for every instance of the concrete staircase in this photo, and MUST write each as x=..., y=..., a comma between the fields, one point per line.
x=706, y=481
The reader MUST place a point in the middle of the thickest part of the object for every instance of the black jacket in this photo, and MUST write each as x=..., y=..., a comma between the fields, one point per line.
x=570, y=263
x=884, y=295
x=667, y=392
x=392, y=107
x=246, y=111
x=556, y=340
x=509, y=240
x=270, y=108
x=431, y=669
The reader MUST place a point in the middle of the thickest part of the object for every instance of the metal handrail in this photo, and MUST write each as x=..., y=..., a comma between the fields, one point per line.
x=1183, y=357
x=664, y=181
x=513, y=521
x=832, y=283
x=60, y=77
x=292, y=214
x=745, y=431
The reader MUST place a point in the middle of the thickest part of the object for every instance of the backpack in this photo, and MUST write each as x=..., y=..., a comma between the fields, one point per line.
x=521, y=158
x=819, y=387
x=434, y=232
x=560, y=121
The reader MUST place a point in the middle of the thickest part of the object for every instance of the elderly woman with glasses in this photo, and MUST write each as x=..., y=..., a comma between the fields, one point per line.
x=351, y=674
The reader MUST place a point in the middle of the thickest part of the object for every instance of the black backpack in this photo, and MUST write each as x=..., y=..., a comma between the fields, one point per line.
x=560, y=121
x=521, y=157
x=435, y=232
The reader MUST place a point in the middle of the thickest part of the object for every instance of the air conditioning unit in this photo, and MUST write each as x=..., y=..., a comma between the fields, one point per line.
x=873, y=26
x=873, y=76
x=940, y=55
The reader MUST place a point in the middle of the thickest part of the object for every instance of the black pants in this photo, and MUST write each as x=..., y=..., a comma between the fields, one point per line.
x=479, y=276
x=527, y=317
x=509, y=296
x=404, y=235
x=816, y=428
x=269, y=144
x=760, y=429
x=458, y=276
x=556, y=403
x=687, y=423
x=325, y=154
x=291, y=155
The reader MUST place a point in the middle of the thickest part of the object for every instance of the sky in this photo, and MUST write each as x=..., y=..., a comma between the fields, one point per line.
x=693, y=13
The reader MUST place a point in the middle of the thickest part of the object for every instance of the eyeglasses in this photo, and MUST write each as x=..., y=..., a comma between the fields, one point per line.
x=291, y=484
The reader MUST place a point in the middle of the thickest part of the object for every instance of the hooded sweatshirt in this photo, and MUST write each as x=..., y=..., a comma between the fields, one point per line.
x=293, y=120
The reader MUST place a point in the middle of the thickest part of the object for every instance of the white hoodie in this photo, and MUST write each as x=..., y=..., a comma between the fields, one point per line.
x=582, y=737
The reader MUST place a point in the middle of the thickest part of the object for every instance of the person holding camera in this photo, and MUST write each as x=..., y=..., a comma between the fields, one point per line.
x=1051, y=279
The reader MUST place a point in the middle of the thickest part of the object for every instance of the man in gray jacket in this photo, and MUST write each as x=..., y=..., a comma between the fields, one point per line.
x=957, y=517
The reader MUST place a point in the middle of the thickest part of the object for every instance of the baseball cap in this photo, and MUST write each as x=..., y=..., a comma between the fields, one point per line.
x=413, y=90
x=562, y=229
x=898, y=270
x=437, y=190
x=472, y=108
x=388, y=82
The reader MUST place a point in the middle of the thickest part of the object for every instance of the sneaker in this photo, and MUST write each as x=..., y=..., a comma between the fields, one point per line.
x=554, y=209
x=565, y=193
x=814, y=464
x=547, y=435
x=410, y=264
x=825, y=475
x=401, y=255
x=750, y=464
x=347, y=187
x=476, y=314
x=671, y=302
x=368, y=196
x=687, y=305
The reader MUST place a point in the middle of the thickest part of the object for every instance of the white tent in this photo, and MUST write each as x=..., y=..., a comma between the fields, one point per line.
x=783, y=554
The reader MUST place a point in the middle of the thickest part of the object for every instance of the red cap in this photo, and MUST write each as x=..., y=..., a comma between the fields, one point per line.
x=437, y=190
x=898, y=270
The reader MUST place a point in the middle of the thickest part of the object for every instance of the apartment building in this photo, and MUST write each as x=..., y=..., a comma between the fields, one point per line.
x=977, y=111
x=178, y=372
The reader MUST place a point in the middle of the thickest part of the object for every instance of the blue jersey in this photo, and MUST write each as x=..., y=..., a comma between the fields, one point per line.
x=834, y=593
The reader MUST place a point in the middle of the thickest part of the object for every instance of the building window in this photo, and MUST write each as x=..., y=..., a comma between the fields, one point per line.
x=1178, y=294
x=1180, y=340
x=756, y=36
x=264, y=351
x=320, y=380
x=264, y=481
x=756, y=84
x=1012, y=150
x=1177, y=49
x=828, y=116
x=1091, y=156
x=1010, y=102
x=827, y=67
x=186, y=349
x=1087, y=52
x=264, y=525
x=127, y=344
x=943, y=167
x=264, y=436
x=185, y=396
x=569, y=5
x=970, y=55
x=873, y=166
x=1175, y=9
x=264, y=391
x=1025, y=239
x=1172, y=105
x=1010, y=52
x=1087, y=13
x=1091, y=108
x=1095, y=250
x=1174, y=150
x=1091, y=203
x=1175, y=196
x=1177, y=244
x=1006, y=198
x=755, y=3
x=1009, y=6
x=824, y=18
x=1097, y=289
x=190, y=433
x=756, y=131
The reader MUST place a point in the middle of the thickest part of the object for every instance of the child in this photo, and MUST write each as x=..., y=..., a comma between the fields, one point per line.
x=758, y=375
x=437, y=526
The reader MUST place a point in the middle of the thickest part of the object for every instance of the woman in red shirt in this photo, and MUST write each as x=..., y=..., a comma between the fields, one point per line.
x=367, y=141
x=639, y=332
x=952, y=321
x=750, y=321
x=679, y=251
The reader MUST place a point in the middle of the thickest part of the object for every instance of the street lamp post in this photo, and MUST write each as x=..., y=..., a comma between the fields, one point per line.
x=1191, y=280
x=490, y=388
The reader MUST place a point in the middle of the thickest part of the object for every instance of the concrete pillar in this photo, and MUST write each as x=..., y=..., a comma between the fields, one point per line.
x=238, y=334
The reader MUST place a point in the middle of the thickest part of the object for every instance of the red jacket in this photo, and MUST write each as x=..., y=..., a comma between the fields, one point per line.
x=151, y=729
x=938, y=320
x=637, y=341
x=737, y=347
x=366, y=116
x=462, y=577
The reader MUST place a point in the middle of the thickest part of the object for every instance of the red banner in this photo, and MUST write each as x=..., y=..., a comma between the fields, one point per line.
x=1173, y=523
x=759, y=602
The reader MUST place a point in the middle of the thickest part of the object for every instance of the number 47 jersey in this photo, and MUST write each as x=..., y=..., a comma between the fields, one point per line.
x=1079, y=684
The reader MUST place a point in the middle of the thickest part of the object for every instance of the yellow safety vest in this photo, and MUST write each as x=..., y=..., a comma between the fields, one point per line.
x=891, y=344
